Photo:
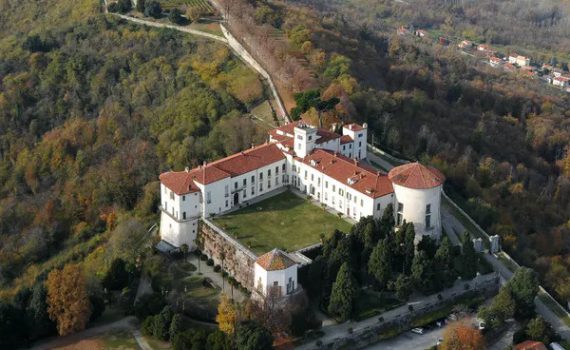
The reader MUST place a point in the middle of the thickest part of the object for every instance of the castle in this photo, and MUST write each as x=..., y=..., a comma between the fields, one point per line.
x=320, y=163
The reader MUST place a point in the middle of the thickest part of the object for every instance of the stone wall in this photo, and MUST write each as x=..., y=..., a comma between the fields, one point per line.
x=238, y=260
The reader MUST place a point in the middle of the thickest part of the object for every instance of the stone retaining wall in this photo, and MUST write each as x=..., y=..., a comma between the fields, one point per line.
x=237, y=260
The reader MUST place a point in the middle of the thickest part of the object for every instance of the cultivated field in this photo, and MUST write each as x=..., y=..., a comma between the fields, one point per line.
x=202, y=4
x=285, y=221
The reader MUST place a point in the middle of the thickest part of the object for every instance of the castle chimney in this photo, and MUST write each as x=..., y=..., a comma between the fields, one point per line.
x=186, y=169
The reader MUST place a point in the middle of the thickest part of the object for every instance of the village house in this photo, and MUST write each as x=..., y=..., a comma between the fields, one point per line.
x=495, y=61
x=485, y=49
x=561, y=81
x=465, y=44
x=519, y=60
x=421, y=33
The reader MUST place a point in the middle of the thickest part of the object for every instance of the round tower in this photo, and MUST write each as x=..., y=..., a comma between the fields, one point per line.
x=417, y=190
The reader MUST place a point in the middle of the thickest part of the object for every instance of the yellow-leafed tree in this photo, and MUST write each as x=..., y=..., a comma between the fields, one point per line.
x=67, y=299
x=227, y=315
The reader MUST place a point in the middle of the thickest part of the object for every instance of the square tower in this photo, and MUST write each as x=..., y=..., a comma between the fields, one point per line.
x=305, y=137
x=359, y=136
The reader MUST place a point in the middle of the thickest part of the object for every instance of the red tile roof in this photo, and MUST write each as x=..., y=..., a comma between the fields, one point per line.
x=238, y=164
x=530, y=345
x=345, y=139
x=275, y=260
x=354, y=127
x=362, y=178
x=288, y=131
x=416, y=175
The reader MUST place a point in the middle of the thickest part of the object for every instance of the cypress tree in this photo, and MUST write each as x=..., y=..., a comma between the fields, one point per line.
x=343, y=293
x=380, y=263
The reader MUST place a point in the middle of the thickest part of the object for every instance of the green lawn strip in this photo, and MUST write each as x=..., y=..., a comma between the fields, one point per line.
x=285, y=221
x=554, y=307
x=371, y=303
x=507, y=262
x=465, y=222
x=118, y=340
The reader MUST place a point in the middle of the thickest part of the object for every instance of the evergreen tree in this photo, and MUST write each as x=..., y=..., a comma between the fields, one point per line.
x=469, y=258
x=12, y=326
x=343, y=293
x=117, y=276
x=428, y=245
x=380, y=263
x=37, y=315
x=422, y=272
x=250, y=335
x=161, y=323
x=404, y=287
x=124, y=6
x=218, y=340
x=176, y=326
x=409, y=247
x=140, y=6
x=524, y=288
x=444, y=262
x=153, y=9
x=387, y=222
x=175, y=16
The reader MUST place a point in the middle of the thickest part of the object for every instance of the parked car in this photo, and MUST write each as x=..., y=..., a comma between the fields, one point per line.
x=418, y=330
x=439, y=341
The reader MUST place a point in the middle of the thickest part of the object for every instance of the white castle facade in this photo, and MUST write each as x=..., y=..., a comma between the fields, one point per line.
x=322, y=164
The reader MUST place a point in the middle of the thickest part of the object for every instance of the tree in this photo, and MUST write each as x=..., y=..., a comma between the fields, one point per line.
x=141, y=6
x=444, y=261
x=153, y=9
x=380, y=262
x=124, y=6
x=469, y=258
x=409, y=249
x=194, y=13
x=12, y=326
x=422, y=272
x=387, y=222
x=184, y=248
x=428, y=245
x=175, y=326
x=218, y=340
x=161, y=323
x=502, y=308
x=343, y=293
x=68, y=301
x=460, y=336
x=227, y=315
x=117, y=276
x=524, y=288
x=37, y=313
x=250, y=335
x=404, y=287
x=312, y=99
x=538, y=329
x=175, y=16
x=195, y=339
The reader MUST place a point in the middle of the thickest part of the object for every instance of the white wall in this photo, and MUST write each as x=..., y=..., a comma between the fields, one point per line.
x=178, y=205
x=177, y=232
x=359, y=150
x=304, y=140
x=415, y=202
x=267, y=278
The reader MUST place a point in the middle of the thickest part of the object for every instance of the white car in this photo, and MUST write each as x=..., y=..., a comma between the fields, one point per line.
x=417, y=330
x=439, y=341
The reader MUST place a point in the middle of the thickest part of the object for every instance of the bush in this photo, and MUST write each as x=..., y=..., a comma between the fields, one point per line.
x=153, y=9
x=124, y=6
x=149, y=304
x=217, y=268
x=210, y=262
x=175, y=16
x=113, y=7
x=146, y=327
x=203, y=257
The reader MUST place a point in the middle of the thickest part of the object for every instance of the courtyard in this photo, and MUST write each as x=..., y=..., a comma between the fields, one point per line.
x=285, y=221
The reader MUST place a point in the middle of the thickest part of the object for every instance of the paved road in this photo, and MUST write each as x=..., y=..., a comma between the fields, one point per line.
x=409, y=340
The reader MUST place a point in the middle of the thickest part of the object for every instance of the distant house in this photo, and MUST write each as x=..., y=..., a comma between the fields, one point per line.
x=509, y=67
x=528, y=71
x=421, y=33
x=443, y=41
x=519, y=60
x=495, y=61
x=530, y=345
x=561, y=81
x=547, y=67
x=465, y=44
x=557, y=72
x=485, y=49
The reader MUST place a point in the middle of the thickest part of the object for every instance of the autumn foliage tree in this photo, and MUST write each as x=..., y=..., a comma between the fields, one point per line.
x=461, y=336
x=68, y=301
x=227, y=315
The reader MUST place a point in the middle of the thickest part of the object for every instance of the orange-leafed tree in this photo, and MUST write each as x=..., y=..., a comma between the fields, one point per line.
x=461, y=336
x=67, y=299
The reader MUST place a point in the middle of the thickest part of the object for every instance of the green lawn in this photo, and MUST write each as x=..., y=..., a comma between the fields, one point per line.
x=284, y=221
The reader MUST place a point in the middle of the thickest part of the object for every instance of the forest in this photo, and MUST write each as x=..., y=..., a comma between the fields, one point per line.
x=92, y=110
x=502, y=140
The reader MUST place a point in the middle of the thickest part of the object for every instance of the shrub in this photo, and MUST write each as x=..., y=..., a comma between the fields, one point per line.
x=203, y=257
x=210, y=262
x=124, y=6
x=149, y=304
x=146, y=327
x=153, y=9
x=113, y=7
x=410, y=307
x=175, y=16
x=217, y=268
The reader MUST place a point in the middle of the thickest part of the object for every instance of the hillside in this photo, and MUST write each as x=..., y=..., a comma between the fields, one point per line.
x=501, y=139
x=92, y=109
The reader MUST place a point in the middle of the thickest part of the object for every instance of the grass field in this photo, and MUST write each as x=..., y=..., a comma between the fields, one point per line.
x=284, y=221
x=203, y=4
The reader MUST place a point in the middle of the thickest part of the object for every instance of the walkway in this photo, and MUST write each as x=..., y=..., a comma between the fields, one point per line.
x=208, y=272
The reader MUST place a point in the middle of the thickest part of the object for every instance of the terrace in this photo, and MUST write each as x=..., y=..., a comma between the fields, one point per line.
x=286, y=221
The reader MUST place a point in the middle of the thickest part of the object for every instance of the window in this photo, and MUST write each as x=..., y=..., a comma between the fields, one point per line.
x=378, y=206
x=252, y=191
x=166, y=206
x=268, y=172
x=276, y=170
x=326, y=184
x=277, y=181
x=235, y=185
x=261, y=176
x=294, y=168
x=326, y=197
x=226, y=203
x=361, y=202
x=428, y=221
x=244, y=182
x=305, y=174
x=269, y=183
x=349, y=196
x=400, y=207
x=252, y=179
x=171, y=195
x=184, y=198
x=283, y=167
x=334, y=188
x=209, y=197
x=310, y=137
x=244, y=194
x=299, y=137
x=319, y=181
x=359, y=143
x=360, y=135
x=428, y=209
x=312, y=177
x=400, y=215
x=227, y=191
x=260, y=187
x=184, y=215
x=344, y=147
